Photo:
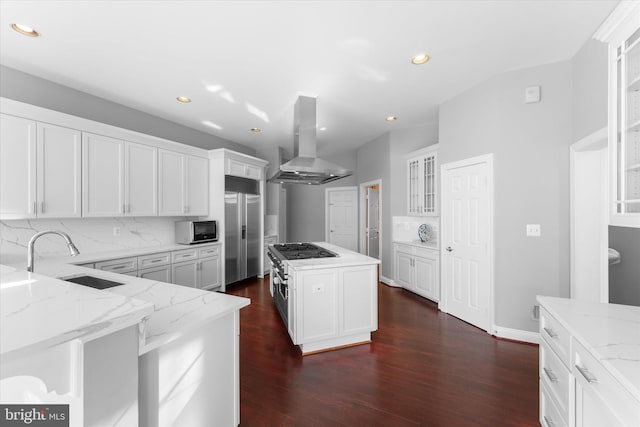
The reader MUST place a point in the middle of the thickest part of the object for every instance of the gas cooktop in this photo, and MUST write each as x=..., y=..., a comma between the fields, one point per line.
x=292, y=251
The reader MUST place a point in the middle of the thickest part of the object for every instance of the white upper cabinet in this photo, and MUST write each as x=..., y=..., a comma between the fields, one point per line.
x=102, y=176
x=422, y=182
x=140, y=180
x=58, y=172
x=622, y=31
x=197, y=186
x=245, y=170
x=40, y=170
x=17, y=167
x=81, y=168
x=183, y=184
x=171, y=167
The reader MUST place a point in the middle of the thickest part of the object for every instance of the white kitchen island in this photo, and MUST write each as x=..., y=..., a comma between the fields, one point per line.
x=333, y=302
x=181, y=353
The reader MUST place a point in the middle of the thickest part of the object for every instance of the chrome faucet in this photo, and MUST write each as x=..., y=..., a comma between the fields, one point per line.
x=73, y=251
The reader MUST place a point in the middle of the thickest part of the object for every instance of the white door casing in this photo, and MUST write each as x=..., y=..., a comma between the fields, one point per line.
x=373, y=235
x=370, y=215
x=589, y=202
x=467, y=240
x=341, y=216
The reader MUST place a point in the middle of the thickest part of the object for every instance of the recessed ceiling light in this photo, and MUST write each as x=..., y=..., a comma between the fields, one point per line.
x=420, y=59
x=256, y=130
x=184, y=99
x=391, y=119
x=25, y=30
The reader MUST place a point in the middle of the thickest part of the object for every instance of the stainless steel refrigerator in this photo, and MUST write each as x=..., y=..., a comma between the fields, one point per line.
x=242, y=228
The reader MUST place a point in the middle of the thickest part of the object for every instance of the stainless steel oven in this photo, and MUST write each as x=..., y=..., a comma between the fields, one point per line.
x=280, y=289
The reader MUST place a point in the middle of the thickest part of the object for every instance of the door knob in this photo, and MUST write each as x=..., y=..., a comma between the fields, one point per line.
x=449, y=249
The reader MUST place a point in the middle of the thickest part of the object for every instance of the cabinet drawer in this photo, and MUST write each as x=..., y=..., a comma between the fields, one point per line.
x=121, y=265
x=184, y=255
x=405, y=249
x=154, y=260
x=208, y=251
x=557, y=378
x=555, y=335
x=593, y=377
x=427, y=253
x=549, y=413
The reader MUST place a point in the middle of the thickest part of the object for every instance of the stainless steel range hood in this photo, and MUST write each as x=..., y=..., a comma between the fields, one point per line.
x=305, y=167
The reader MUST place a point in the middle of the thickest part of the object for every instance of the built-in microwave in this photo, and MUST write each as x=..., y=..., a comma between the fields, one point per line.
x=191, y=232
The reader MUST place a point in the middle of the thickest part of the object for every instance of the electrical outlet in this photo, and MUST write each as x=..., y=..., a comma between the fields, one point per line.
x=116, y=231
x=533, y=230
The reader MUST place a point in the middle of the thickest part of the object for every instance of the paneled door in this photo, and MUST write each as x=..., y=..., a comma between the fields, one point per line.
x=342, y=217
x=467, y=200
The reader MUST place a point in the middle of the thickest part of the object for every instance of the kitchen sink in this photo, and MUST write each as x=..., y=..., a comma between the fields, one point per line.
x=93, y=282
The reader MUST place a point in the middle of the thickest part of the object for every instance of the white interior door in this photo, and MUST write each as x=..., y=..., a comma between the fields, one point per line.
x=466, y=240
x=373, y=233
x=342, y=217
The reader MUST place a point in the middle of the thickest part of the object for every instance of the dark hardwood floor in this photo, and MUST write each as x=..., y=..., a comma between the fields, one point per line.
x=423, y=368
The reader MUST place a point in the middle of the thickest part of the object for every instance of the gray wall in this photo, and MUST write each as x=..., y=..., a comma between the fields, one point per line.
x=33, y=90
x=624, y=278
x=590, y=92
x=531, y=174
x=305, y=203
x=373, y=163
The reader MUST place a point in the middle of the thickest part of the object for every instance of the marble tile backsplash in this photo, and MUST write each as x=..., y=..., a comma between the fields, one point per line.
x=405, y=228
x=90, y=235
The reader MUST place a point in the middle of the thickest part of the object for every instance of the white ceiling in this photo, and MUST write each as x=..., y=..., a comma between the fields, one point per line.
x=244, y=63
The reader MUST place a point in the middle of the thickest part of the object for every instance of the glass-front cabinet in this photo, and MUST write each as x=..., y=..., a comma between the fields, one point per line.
x=622, y=32
x=422, y=181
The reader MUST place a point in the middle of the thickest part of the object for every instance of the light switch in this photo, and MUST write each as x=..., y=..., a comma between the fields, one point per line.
x=532, y=94
x=533, y=230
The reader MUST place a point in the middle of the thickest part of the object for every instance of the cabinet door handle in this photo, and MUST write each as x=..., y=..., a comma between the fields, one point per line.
x=587, y=375
x=449, y=249
x=550, y=332
x=120, y=267
x=552, y=377
x=42, y=207
x=35, y=208
x=549, y=422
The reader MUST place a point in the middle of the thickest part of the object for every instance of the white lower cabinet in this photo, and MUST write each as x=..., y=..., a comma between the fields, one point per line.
x=417, y=270
x=575, y=388
x=210, y=273
x=196, y=267
x=332, y=307
x=159, y=274
x=185, y=273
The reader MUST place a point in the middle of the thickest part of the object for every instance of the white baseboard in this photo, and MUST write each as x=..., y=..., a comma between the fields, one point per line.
x=388, y=281
x=516, y=334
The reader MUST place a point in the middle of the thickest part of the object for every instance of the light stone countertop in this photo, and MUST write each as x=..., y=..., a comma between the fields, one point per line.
x=170, y=310
x=38, y=312
x=345, y=258
x=611, y=332
x=176, y=309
